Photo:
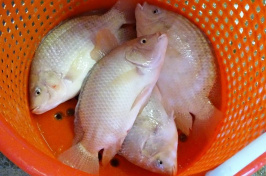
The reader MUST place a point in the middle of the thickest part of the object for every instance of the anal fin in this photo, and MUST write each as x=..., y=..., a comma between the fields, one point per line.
x=111, y=151
x=184, y=122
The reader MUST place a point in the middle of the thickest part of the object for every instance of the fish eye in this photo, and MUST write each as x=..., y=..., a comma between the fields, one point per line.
x=160, y=162
x=37, y=91
x=156, y=11
x=143, y=41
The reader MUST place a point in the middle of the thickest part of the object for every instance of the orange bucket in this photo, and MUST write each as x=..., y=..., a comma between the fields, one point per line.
x=237, y=31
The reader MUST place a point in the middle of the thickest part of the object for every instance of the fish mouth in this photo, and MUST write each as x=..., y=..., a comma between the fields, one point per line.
x=36, y=110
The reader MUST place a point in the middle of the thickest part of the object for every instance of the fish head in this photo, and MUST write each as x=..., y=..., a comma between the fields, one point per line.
x=147, y=52
x=164, y=162
x=151, y=19
x=45, y=92
x=162, y=146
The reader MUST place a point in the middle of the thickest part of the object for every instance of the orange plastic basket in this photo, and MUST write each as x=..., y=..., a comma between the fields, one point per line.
x=237, y=31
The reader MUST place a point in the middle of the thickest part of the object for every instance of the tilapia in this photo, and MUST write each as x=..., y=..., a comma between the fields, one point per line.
x=189, y=70
x=152, y=141
x=114, y=92
x=68, y=52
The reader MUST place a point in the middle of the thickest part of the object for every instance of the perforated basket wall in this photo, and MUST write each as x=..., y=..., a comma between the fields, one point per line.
x=236, y=28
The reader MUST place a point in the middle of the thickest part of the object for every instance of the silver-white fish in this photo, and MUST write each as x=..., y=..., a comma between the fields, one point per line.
x=189, y=71
x=152, y=141
x=117, y=88
x=68, y=52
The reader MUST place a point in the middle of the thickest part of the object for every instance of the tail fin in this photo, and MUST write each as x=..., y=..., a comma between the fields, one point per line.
x=79, y=158
x=127, y=8
x=126, y=33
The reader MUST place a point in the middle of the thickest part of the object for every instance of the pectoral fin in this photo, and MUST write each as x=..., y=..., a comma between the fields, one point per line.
x=80, y=66
x=105, y=41
x=143, y=97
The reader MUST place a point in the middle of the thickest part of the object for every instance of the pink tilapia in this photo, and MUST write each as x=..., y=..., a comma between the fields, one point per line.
x=68, y=52
x=152, y=141
x=189, y=71
x=111, y=97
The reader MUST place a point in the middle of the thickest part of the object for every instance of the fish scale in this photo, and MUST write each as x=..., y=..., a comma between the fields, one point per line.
x=189, y=71
x=111, y=97
x=68, y=52
x=152, y=139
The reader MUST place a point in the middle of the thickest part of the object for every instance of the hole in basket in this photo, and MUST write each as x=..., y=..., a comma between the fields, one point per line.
x=13, y=4
x=246, y=23
x=58, y=116
x=114, y=162
x=252, y=16
x=70, y=112
x=182, y=137
x=3, y=5
x=4, y=23
x=258, y=9
x=262, y=19
x=7, y=12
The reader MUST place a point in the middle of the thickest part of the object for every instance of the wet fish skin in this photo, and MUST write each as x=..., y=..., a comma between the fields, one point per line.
x=68, y=52
x=112, y=96
x=189, y=70
x=152, y=141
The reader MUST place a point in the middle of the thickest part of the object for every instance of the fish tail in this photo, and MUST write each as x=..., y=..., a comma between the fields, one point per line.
x=204, y=109
x=78, y=157
x=127, y=9
x=127, y=33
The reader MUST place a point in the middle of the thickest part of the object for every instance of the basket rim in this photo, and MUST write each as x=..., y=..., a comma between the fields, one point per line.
x=28, y=157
